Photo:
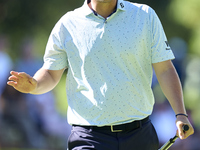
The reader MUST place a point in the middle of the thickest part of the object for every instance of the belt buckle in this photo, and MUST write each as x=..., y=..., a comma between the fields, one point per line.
x=112, y=130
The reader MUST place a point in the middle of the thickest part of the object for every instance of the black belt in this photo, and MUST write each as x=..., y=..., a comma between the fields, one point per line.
x=118, y=128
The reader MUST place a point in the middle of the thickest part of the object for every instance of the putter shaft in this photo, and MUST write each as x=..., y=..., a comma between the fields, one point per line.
x=169, y=143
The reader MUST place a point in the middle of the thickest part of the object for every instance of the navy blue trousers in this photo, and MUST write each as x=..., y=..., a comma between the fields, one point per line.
x=142, y=138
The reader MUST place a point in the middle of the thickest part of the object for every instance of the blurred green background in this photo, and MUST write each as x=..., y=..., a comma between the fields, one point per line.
x=33, y=20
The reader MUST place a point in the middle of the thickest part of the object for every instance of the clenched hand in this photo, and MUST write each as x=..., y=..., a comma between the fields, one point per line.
x=180, y=121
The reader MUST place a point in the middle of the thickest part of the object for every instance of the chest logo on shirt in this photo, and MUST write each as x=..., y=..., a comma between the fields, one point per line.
x=122, y=5
x=168, y=47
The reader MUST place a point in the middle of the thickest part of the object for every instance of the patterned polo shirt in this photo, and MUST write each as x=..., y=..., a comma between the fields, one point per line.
x=109, y=62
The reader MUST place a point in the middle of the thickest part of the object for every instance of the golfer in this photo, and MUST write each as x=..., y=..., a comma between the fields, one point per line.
x=108, y=48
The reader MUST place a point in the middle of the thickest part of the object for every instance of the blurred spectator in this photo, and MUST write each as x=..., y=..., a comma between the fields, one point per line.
x=192, y=85
x=5, y=62
x=41, y=107
x=28, y=62
x=17, y=127
x=32, y=120
x=52, y=124
x=5, y=67
x=179, y=47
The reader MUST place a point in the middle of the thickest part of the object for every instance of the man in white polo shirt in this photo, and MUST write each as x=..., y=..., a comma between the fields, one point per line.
x=109, y=48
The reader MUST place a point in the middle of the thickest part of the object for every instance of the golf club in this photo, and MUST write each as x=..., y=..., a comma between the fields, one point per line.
x=172, y=140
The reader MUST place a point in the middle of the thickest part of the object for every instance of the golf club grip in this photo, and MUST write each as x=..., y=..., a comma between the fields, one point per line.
x=185, y=127
x=172, y=140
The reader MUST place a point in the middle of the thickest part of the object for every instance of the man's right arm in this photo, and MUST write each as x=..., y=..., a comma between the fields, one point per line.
x=43, y=81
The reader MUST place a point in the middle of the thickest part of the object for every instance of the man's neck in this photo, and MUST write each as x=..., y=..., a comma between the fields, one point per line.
x=103, y=7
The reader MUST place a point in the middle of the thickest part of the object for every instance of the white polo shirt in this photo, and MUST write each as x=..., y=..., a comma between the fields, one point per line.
x=109, y=62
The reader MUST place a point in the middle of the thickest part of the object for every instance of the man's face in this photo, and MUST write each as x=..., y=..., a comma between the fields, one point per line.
x=105, y=1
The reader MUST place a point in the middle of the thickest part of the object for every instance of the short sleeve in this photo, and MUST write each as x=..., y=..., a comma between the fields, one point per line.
x=161, y=50
x=55, y=57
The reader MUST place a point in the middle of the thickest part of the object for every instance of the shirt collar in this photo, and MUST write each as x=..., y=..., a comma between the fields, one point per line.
x=87, y=11
x=121, y=5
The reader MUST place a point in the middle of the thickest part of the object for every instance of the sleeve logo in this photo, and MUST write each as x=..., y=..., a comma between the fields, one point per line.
x=168, y=47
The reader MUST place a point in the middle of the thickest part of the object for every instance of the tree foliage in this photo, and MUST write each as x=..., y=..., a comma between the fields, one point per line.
x=186, y=13
x=32, y=18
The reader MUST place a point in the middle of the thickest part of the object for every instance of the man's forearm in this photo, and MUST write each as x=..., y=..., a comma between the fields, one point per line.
x=46, y=80
x=171, y=87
